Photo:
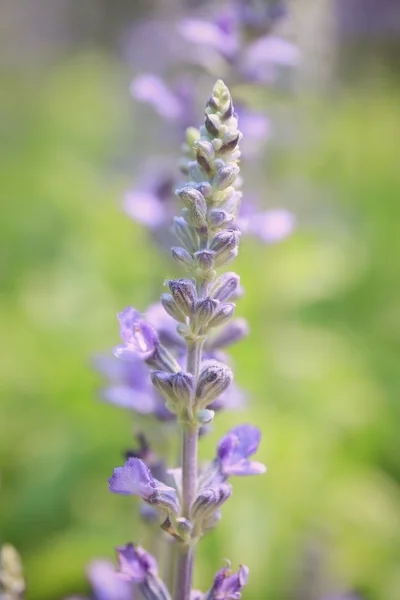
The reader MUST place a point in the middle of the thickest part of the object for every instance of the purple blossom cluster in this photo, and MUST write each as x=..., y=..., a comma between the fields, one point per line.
x=238, y=41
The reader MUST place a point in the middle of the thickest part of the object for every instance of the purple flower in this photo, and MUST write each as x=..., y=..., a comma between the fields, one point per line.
x=228, y=585
x=235, y=448
x=152, y=89
x=129, y=386
x=135, y=564
x=263, y=59
x=220, y=37
x=105, y=583
x=140, y=339
x=135, y=478
x=270, y=226
x=138, y=566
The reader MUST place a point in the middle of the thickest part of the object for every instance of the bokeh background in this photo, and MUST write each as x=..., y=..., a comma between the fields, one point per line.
x=322, y=363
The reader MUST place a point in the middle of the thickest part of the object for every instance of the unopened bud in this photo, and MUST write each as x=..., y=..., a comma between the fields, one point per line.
x=222, y=315
x=218, y=217
x=172, y=308
x=183, y=387
x=212, y=124
x=209, y=500
x=205, y=416
x=214, y=379
x=233, y=332
x=184, y=293
x=204, y=259
x=185, y=234
x=225, y=176
x=204, y=310
x=162, y=381
x=182, y=257
x=225, y=287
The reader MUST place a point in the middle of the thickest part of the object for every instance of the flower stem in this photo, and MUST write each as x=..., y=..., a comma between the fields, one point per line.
x=190, y=435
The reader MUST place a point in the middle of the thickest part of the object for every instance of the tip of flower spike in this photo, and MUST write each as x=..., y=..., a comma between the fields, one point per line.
x=220, y=90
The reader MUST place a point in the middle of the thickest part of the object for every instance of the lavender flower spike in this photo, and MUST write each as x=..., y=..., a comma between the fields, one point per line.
x=134, y=478
x=235, y=448
x=228, y=585
x=138, y=566
x=138, y=336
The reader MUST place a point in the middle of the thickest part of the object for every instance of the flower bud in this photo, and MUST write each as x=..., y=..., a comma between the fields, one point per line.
x=205, y=154
x=204, y=310
x=218, y=217
x=204, y=259
x=205, y=416
x=205, y=188
x=222, y=315
x=183, y=387
x=184, y=293
x=235, y=331
x=182, y=257
x=212, y=124
x=172, y=309
x=185, y=234
x=225, y=245
x=162, y=381
x=214, y=379
x=190, y=196
x=230, y=141
x=225, y=286
x=208, y=501
x=229, y=111
x=225, y=176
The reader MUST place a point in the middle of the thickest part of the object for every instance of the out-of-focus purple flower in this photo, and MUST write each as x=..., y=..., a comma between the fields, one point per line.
x=235, y=448
x=105, y=583
x=227, y=584
x=259, y=16
x=135, y=564
x=139, y=337
x=173, y=103
x=270, y=226
x=135, y=479
x=150, y=202
x=129, y=386
x=256, y=129
x=165, y=326
x=220, y=36
x=152, y=90
x=138, y=566
x=263, y=59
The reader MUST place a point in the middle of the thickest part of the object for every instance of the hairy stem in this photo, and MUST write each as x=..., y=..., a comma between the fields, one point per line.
x=190, y=435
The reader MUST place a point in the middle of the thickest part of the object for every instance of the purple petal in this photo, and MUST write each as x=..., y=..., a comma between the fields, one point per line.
x=152, y=89
x=198, y=31
x=135, y=564
x=244, y=468
x=134, y=478
x=235, y=448
x=126, y=397
x=266, y=56
x=106, y=583
x=139, y=337
x=272, y=225
x=228, y=585
x=144, y=208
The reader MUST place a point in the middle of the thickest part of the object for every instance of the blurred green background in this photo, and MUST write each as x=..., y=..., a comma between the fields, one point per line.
x=321, y=364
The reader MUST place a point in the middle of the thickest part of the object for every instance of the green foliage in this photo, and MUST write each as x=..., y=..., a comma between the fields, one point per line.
x=321, y=363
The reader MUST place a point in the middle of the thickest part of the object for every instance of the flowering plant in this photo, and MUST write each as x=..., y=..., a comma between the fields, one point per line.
x=172, y=367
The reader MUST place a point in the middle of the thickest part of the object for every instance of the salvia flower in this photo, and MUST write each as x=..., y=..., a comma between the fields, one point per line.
x=106, y=584
x=134, y=478
x=235, y=448
x=227, y=584
x=139, y=567
x=139, y=337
